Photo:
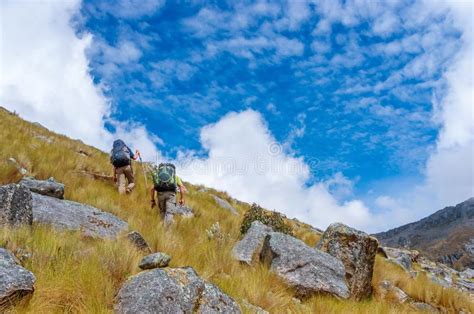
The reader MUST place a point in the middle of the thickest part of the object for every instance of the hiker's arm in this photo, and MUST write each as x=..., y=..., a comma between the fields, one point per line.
x=152, y=194
x=137, y=155
x=115, y=175
x=182, y=190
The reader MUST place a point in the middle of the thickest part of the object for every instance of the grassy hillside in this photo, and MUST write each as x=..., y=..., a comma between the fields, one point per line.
x=76, y=274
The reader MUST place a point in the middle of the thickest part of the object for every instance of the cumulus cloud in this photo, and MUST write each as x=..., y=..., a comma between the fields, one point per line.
x=45, y=75
x=449, y=170
x=256, y=168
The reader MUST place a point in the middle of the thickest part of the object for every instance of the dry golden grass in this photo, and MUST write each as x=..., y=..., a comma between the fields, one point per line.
x=81, y=275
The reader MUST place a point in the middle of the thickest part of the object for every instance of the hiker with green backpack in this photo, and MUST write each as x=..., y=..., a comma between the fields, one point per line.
x=165, y=184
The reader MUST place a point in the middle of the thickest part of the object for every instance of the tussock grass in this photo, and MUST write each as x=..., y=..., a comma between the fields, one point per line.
x=80, y=275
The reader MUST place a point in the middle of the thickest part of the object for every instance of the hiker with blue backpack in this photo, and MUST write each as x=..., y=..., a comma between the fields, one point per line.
x=121, y=158
x=165, y=184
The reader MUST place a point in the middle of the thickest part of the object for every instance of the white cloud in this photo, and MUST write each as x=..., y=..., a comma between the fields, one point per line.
x=450, y=169
x=45, y=74
x=256, y=169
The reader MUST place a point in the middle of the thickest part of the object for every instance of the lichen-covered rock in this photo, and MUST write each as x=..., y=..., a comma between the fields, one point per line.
x=306, y=269
x=45, y=187
x=155, y=260
x=251, y=244
x=172, y=290
x=15, y=205
x=138, y=241
x=356, y=250
x=70, y=215
x=16, y=282
x=224, y=204
x=402, y=257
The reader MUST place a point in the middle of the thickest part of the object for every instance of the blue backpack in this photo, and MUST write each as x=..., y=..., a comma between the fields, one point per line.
x=120, y=155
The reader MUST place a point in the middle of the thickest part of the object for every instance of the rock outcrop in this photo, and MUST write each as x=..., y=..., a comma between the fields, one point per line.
x=45, y=187
x=356, y=250
x=225, y=204
x=16, y=282
x=172, y=290
x=155, y=260
x=70, y=215
x=15, y=205
x=306, y=269
x=403, y=257
x=251, y=244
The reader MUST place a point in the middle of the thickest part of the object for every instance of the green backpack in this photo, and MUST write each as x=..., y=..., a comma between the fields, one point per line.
x=164, y=177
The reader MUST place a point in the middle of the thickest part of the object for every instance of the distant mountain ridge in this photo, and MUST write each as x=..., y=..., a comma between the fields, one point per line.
x=446, y=236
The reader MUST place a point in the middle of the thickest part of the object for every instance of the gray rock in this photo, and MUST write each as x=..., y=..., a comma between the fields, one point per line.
x=15, y=205
x=179, y=210
x=356, y=250
x=155, y=260
x=138, y=241
x=404, y=261
x=467, y=274
x=45, y=187
x=386, y=287
x=402, y=257
x=16, y=282
x=172, y=290
x=439, y=281
x=466, y=285
x=70, y=215
x=306, y=269
x=224, y=204
x=252, y=242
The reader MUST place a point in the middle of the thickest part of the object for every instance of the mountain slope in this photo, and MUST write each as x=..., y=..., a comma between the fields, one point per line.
x=80, y=275
x=446, y=236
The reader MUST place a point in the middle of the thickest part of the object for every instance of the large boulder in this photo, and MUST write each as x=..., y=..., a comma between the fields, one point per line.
x=45, y=187
x=172, y=290
x=356, y=250
x=251, y=244
x=70, y=215
x=16, y=282
x=225, y=204
x=15, y=205
x=306, y=269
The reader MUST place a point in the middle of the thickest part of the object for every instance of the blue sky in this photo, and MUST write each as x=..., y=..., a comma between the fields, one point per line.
x=368, y=98
x=340, y=94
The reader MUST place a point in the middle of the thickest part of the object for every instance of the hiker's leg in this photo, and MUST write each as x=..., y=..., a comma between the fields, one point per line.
x=170, y=201
x=121, y=180
x=170, y=204
x=131, y=179
x=162, y=204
